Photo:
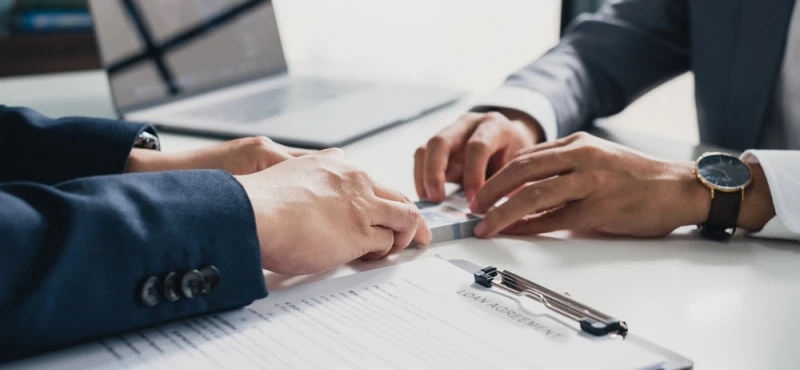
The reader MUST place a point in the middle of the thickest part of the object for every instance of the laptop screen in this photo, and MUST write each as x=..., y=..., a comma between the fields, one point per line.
x=156, y=51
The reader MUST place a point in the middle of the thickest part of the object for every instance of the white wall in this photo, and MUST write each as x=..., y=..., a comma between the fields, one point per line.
x=471, y=44
x=468, y=43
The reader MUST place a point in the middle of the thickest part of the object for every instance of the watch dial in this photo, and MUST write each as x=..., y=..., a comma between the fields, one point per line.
x=723, y=171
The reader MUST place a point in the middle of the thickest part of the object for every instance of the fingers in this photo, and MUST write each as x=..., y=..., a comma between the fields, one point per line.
x=423, y=235
x=489, y=137
x=394, y=214
x=534, y=198
x=571, y=216
x=271, y=153
x=277, y=155
x=419, y=173
x=455, y=169
x=288, y=151
x=334, y=152
x=437, y=152
x=564, y=141
x=401, y=210
x=381, y=242
x=521, y=170
x=436, y=156
x=297, y=152
x=402, y=218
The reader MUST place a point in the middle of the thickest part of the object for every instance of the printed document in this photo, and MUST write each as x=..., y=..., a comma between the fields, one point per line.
x=425, y=314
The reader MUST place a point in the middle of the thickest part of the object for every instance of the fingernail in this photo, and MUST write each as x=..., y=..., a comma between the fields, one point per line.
x=470, y=195
x=433, y=192
x=480, y=229
x=473, y=205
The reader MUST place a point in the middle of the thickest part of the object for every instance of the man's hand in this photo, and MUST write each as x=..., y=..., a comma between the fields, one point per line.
x=474, y=146
x=239, y=157
x=585, y=183
x=317, y=212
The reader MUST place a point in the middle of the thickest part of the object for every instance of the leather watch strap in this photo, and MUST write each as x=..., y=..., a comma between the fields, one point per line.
x=723, y=215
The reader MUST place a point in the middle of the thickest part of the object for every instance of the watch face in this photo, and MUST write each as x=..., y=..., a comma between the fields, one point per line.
x=724, y=172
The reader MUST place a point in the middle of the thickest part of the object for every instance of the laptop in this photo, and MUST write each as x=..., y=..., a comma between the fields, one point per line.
x=218, y=68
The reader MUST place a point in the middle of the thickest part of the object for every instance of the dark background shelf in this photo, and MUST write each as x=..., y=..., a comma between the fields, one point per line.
x=44, y=36
x=33, y=54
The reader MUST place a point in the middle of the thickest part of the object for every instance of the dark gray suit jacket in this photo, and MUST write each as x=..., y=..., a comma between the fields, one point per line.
x=607, y=60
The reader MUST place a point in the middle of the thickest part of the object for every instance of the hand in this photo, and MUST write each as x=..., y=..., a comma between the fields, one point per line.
x=239, y=157
x=474, y=146
x=585, y=183
x=317, y=212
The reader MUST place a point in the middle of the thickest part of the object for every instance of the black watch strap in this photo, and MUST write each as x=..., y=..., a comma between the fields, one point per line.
x=723, y=215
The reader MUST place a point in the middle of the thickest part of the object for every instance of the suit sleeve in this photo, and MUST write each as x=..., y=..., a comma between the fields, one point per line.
x=604, y=62
x=75, y=255
x=39, y=149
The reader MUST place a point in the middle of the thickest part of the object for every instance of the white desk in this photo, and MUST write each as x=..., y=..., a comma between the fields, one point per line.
x=726, y=306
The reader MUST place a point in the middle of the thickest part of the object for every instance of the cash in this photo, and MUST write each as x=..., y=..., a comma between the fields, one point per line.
x=449, y=220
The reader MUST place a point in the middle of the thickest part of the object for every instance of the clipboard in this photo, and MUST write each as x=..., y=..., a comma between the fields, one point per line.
x=591, y=321
x=387, y=298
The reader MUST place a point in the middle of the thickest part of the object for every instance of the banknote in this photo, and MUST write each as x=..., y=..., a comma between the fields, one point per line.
x=449, y=220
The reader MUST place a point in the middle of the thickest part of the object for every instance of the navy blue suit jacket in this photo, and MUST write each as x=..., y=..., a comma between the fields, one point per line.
x=607, y=60
x=78, y=237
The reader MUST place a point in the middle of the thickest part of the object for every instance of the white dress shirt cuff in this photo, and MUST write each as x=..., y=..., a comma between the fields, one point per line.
x=782, y=170
x=528, y=101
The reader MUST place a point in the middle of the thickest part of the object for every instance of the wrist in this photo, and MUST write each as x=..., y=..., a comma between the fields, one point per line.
x=696, y=197
x=755, y=211
x=264, y=214
x=138, y=160
x=757, y=208
x=529, y=123
x=146, y=160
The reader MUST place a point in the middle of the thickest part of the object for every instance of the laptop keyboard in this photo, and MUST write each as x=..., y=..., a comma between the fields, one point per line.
x=298, y=95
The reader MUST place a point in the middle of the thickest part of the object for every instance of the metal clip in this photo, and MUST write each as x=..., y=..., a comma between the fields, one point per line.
x=591, y=320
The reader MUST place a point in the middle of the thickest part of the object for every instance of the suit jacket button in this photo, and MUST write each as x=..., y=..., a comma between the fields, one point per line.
x=149, y=293
x=192, y=284
x=172, y=286
x=213, y=278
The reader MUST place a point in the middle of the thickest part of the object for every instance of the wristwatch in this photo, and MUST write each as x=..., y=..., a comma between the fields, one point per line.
x=147, y=140
x=727, y=177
